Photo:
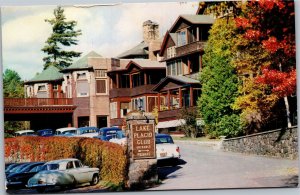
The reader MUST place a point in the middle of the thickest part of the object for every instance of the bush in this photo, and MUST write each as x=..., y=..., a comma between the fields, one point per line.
x=108, y=157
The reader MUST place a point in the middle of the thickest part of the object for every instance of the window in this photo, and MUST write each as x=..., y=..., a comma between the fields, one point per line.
x=77, y=164
x=55, y=87
x=181, y=38
x=42, y=88
x=101, y=86
x=113, y=110
x=171, y=52
x=82, y=88
x=174, y=68
x=100, y=73
x=124, y=109
x=70, y=165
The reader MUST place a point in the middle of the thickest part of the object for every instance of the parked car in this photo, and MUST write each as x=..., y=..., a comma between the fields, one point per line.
x=87, y=132
x=119, y=138
x=15, y=169
x=166, y=149
x=25, y=133
x=63, y=173
x=45, y=132
x=20, y=179
x=66, y=131
x=106, y=133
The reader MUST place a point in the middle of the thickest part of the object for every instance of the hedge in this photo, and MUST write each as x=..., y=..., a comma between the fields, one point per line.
x=110, y=158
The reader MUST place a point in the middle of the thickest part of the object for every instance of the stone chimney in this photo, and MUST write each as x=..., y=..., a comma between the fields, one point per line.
x=150, y=31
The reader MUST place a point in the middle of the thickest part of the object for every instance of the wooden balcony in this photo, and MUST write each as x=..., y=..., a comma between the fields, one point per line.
x=189, y=48
x=130, y=92
x=34, y=102
x=172, y=114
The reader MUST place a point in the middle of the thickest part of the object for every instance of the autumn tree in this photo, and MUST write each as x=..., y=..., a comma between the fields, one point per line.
x=268, y=28
x=219, y=81
x=63, y=35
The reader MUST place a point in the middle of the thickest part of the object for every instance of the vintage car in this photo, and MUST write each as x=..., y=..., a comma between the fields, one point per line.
x=20, y=179
x=119, y=138
x=45, y=132
x=66, y=131
x=87, y=132
x=63, y=173
x=166, y=149
x=25, y=133
x=107, y=133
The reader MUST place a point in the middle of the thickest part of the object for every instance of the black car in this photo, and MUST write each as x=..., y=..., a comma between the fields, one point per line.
x=14, y=168
x=19, y=180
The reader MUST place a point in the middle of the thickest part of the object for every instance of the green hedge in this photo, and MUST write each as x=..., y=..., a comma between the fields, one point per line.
x=110, y=158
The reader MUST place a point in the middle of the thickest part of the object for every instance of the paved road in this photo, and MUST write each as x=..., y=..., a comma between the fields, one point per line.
x=204, y=167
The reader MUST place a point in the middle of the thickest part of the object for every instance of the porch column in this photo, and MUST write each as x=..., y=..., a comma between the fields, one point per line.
x=200, y=62
x=191, y=97
x=189, y=66
x=50, y=86
x=197, y=34
x=169, y=99
x=180, y=97
x=117, y=80
x=59, y=91
x=118, y=109
x=158, y=102
x=130, y=80
x=145, y=78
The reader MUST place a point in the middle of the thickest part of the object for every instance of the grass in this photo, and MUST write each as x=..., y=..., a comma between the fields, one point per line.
x=194, y=139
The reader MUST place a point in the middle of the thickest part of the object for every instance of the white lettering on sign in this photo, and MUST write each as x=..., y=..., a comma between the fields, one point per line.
x=142, y=135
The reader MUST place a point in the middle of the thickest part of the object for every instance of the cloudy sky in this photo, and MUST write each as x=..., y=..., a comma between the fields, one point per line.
x=108, y=30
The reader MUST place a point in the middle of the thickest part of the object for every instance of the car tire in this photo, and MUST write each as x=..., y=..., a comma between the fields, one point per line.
x=95, y=180
x=41, y=190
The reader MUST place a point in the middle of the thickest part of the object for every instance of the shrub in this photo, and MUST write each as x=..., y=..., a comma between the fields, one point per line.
x=110, y=158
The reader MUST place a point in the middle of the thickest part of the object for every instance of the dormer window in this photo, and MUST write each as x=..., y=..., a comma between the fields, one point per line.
x=42, y=88
x=181, y=38
x=81, y=76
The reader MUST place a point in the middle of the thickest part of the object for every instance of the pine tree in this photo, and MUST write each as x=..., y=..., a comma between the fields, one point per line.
x=63, y=34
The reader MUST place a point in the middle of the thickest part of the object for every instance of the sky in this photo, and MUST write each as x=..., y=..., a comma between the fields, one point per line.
x=107, y=30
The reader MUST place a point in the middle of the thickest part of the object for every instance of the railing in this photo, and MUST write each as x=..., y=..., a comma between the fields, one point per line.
x=172, y=113
x=20, y=102
x=186, y=49
x=129, y=92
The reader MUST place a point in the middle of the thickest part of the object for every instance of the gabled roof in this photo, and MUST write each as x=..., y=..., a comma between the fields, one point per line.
x=193, y=19
x=142, y=64
x=50, y=74
x=82, y=63
x=165, y=40
x=181, y=79
x=138, y=50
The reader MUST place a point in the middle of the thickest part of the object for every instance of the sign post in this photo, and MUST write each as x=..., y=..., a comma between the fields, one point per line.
x=143, y=141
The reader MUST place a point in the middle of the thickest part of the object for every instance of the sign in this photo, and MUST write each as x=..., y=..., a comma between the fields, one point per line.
x=143, y=141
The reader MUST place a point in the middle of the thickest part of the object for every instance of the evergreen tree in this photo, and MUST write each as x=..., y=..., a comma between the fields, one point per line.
x=63, y=34
x=219, y=81
x=12, y=84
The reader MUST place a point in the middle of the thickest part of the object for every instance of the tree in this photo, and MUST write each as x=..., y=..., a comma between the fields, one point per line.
x=13, y=88
x=63, y=34
x=190, y=127
x=219, y=81
x=12, y=84
x=270, y=25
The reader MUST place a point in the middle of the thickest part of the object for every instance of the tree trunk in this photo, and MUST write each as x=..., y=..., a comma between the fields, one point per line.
x=287, y=108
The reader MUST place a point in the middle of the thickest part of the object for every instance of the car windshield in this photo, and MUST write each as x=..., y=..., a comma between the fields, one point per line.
x=50, y=167
x=18, y=168
x=36, y=169
x=10, y=167
x=163, y=140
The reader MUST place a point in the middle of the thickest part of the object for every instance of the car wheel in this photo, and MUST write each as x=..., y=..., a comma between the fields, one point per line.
x=40, y=190
x=95, y=179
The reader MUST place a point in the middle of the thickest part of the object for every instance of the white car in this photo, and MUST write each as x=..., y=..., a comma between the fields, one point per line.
x=66, y=131
x=63, y=173
x=119, y=138
x=25, y=133
x=166, y=149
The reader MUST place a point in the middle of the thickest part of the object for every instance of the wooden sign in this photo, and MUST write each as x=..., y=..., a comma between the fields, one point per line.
x=143, y=141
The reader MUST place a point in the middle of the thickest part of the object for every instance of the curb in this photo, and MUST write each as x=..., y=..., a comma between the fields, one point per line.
x=214, y=144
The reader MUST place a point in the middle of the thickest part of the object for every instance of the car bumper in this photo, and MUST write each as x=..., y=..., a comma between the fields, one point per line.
x=40, y=185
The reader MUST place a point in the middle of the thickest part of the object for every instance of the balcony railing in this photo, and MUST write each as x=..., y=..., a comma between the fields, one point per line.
x=171, y=114
x=130, y=92
x=189, y=48
x=33, y=102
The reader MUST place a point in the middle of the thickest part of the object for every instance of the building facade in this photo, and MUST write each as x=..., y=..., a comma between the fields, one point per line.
x=181, y=50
